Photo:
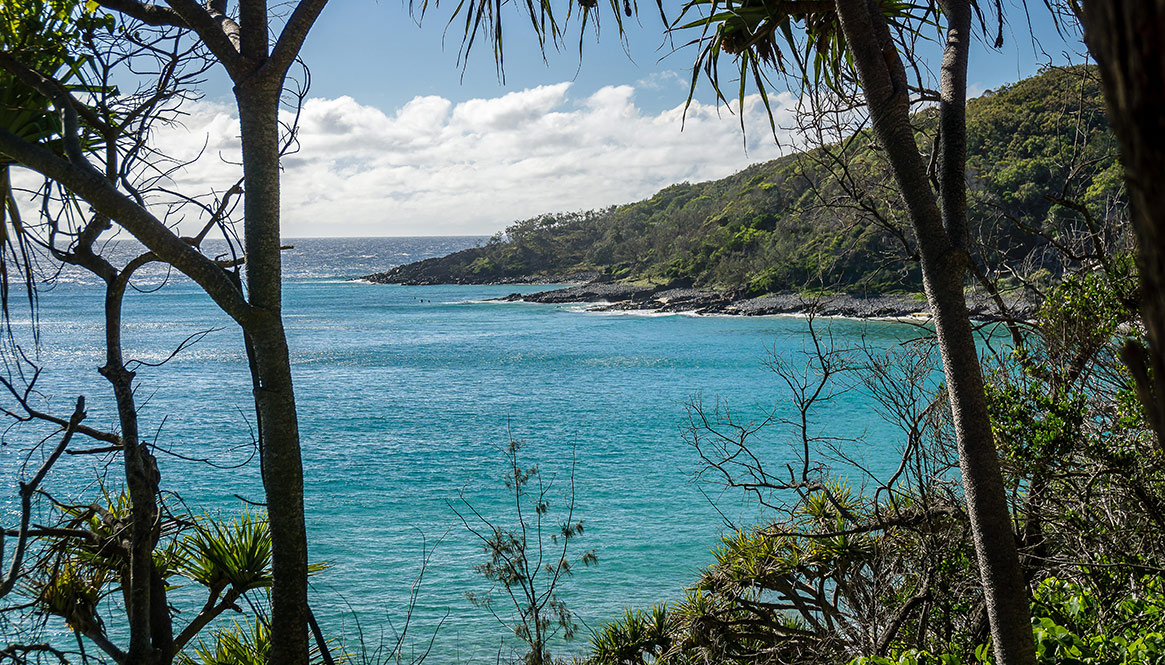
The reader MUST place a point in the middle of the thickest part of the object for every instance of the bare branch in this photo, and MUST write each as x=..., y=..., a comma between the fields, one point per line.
x=27, y=490
x=219, y=33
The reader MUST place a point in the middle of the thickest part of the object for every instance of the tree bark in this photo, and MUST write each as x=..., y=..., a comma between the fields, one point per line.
x=1126, y=37
x=141, y=476
x=278, y=425
x=941, y=242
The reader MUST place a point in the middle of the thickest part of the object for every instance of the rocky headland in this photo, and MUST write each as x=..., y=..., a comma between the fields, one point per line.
x=768, y=230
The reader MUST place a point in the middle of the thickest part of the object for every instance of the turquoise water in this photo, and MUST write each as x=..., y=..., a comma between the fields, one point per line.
x=406, y=394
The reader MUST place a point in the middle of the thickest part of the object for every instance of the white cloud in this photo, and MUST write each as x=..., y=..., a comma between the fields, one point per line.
x=437, y=167
x=514, y=111
x=664, y=79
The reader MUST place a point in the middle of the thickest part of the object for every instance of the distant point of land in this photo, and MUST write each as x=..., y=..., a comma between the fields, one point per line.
x=773, y=237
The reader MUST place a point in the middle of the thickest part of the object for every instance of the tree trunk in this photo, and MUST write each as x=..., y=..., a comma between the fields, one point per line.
x=141, y=477
x=1126, y=37
x=278, y=425
x=941, y=242
x=144, y=589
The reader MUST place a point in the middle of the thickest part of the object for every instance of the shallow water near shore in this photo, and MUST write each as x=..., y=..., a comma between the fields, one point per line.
x=406, y=396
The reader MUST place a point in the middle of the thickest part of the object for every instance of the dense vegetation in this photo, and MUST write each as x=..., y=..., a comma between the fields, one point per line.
x=827, y=217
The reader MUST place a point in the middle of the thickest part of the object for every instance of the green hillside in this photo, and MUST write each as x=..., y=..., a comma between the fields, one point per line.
x=829, y=217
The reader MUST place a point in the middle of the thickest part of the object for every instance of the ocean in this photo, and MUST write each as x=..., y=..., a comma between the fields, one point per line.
x=407, y=398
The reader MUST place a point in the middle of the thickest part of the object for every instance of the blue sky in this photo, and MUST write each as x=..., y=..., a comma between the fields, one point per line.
x=375, y=52
x=399, y=139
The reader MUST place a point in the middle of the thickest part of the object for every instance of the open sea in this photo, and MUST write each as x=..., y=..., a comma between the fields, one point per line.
x=407, y=396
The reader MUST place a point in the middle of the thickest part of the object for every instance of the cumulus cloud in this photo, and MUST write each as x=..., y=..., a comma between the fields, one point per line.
x=435, y=167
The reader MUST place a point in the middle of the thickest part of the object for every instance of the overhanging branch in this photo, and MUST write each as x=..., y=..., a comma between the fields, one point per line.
x=85, y=181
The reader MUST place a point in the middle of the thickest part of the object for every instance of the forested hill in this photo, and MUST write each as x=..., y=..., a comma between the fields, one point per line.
x=830, y=217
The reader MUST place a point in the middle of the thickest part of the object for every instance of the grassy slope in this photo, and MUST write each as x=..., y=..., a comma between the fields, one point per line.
x=802, y=222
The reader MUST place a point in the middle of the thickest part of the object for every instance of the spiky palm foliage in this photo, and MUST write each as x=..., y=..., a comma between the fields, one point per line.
x=227, y=558
x=800, y=40
x=38, y=34
x=766, y=596
x=78, y=573
x=238, y=644
x=73, y=592
x=636, y=638
x=483, y=19
x=235, y=554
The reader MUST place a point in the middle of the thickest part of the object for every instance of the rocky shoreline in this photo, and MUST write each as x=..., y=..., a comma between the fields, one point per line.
x=606, y=296
x=610, y=297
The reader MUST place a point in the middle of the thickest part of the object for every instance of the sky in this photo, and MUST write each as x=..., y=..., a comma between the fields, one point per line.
x=400, y=137
x=378, y=53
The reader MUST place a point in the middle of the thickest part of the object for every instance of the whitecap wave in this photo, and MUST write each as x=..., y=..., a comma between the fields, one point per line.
x=643, y=313
x=483, y=301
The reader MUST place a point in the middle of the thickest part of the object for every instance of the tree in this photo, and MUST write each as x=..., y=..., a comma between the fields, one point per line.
x=853, y=44
x=942, y=241
x=1125, y=37
x=838, y=572
x=128, y=542
x=258, y=68
x=528, y=558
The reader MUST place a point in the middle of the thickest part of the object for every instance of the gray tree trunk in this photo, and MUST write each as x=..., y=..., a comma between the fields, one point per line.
x=258, y=101
x=1127, y=38
x=942, y=245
